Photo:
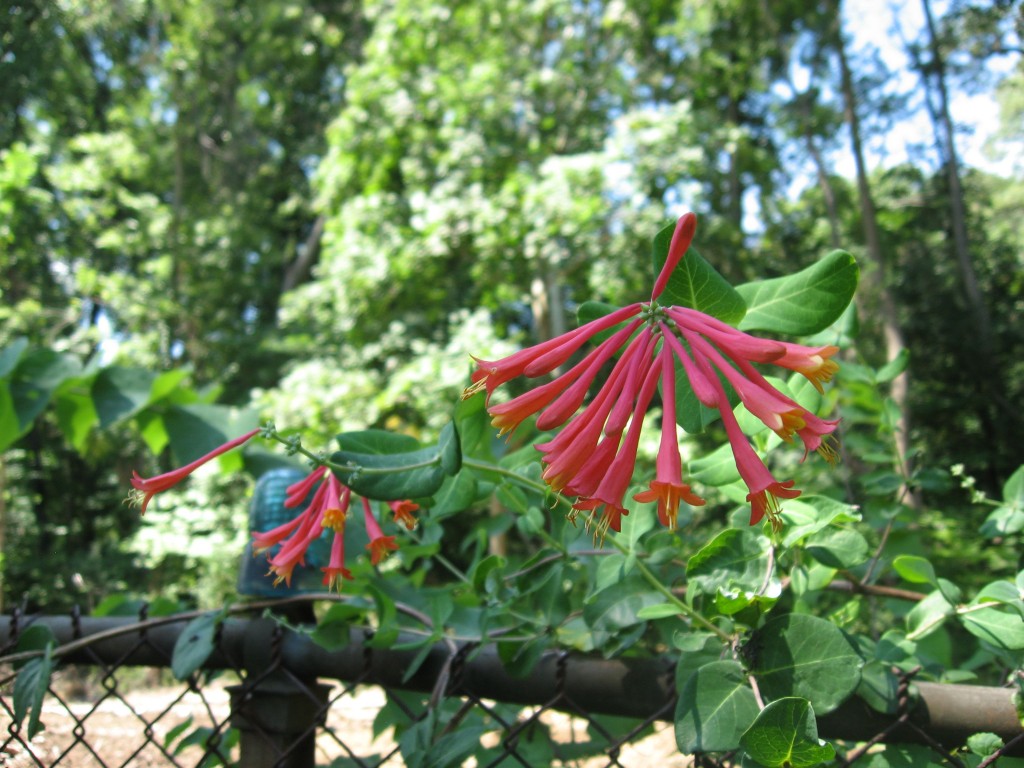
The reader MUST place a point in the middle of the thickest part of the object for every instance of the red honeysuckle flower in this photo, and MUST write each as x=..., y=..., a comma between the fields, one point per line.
x=682, y=236
x=327, y=509
x=492, y=374
x=591, y=459
x=403, y=512
x=145, y=488
x=335, y=571
x=379, y=545
x=764, y=490
x=812, y=362
x=612, y=488
x=667, y=488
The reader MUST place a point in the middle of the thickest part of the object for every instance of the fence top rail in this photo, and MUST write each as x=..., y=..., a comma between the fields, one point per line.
x=632, y=687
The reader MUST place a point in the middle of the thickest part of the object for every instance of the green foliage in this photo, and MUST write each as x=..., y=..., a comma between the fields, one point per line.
x=317, y=212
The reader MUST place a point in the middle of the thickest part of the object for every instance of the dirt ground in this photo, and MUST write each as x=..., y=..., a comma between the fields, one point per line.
x=117, y=736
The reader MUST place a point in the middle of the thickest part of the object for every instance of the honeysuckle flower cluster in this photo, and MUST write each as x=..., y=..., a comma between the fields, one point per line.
x=593, y=457
x=328, y=508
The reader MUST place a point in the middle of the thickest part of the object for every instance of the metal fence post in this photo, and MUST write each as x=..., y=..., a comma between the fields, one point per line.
x=276, y=710
x=277, y=720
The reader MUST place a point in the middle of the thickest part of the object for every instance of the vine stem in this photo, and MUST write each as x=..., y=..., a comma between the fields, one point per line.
x=649, y=576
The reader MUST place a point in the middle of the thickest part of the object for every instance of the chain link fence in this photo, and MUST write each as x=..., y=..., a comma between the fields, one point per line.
x=268, y=696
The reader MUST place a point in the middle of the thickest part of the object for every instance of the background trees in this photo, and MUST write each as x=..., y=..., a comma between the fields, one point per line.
x=317, y=210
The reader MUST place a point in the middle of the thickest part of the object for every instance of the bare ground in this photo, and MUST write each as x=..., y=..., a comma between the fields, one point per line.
x=114, y=733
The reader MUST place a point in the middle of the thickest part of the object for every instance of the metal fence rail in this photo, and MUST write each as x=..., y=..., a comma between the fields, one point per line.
x=279, y=704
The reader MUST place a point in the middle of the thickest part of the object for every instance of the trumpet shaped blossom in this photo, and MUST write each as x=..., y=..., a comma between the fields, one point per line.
x=328, y=509
x=380, y=545
x=593, y=457
x=145, y=488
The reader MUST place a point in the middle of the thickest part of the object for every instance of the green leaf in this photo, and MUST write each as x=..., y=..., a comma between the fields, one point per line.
x=195, y=644
x=929, y=614
x=893, y=368
x=838, y=547
x=476, y=435
x=734, y=558
x=38, y=374
x=984, y=744
x=785, y=733
x=714, y=708
x=450, y=450
x=36, y=637
x=592, y=310
x=377, y=441
x=1002, y=592
x=716, y=468
x=1008, y=518
x=76, y=414
x=29, y=689
x=803, y=303
x=658, y=611
x=389, y=466
x=11, y=354
x=121, y=392
x=10, y=429
x=996, y=627
x=333, y=629
x=455, y=495
x=798, y=655
x=879, y=687
x=195, y=430
x=695, y=283
x=617, y=607
x=914, y=569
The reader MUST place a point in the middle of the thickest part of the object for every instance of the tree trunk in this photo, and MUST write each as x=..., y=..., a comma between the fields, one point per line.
x=876, y=279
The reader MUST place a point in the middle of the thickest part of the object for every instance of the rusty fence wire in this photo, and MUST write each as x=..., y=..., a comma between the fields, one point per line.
x=269, y=696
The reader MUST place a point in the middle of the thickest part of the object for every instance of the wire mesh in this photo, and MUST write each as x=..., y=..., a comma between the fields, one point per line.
x=266, y=698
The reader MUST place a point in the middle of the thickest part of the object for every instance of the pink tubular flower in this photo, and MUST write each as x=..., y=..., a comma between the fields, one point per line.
x=335, y=571
x=552, y=354
x=610, y=491
x=403, y=513
x=327, y=509
x=380, y=545
x=667, y=488
x=593, y=456
x=145, y=488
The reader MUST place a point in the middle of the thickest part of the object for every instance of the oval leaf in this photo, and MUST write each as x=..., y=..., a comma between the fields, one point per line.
x=785, y=733
x=715, y=707
x=697, y=285
x=797, y=655
x=735, y=557
x=803, y=303
x=195, y=644
x=389, y=466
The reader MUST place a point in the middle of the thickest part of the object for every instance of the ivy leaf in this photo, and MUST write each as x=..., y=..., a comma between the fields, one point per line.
x=803, y=303
x=195, y=644
x=799, y=655
x=785, y=733
x=715, y=707
x=695, y=283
